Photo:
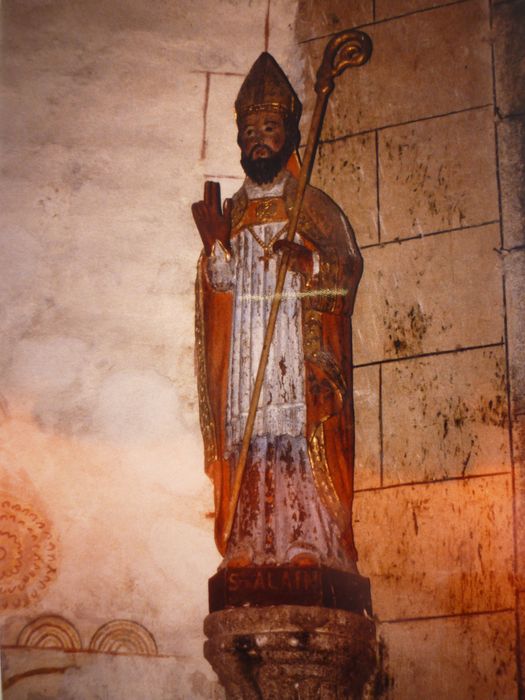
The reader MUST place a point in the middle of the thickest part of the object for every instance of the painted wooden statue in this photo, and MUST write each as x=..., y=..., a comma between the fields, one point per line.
x=294, y=497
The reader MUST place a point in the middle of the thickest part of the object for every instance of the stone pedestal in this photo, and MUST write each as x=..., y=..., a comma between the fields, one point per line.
x=290, y=652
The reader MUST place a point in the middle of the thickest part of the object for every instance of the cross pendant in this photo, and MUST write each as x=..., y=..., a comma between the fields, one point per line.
x=266, y=259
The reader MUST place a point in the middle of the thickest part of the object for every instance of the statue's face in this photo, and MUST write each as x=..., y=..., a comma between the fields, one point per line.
x=261, y=135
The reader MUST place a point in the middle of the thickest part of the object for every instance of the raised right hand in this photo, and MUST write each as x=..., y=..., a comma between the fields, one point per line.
x=213, y=223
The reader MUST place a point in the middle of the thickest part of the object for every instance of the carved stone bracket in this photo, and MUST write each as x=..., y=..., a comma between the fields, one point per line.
x=290, y=652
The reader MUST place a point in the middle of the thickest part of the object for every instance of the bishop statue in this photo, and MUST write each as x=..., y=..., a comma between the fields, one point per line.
x=295, y=500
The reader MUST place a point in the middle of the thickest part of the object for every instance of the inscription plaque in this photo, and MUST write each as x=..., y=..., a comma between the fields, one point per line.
x=288, y=585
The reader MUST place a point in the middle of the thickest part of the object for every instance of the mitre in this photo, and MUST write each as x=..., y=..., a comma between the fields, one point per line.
x=267, y=88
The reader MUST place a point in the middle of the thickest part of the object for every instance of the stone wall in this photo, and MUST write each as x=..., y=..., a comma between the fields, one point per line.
x=114, y=115
x=509, y=95
x=411, y=151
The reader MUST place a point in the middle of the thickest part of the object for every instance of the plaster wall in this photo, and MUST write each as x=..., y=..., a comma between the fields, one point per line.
x=113, y=115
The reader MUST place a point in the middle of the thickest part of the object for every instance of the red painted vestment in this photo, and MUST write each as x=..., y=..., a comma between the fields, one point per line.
x=327, y=302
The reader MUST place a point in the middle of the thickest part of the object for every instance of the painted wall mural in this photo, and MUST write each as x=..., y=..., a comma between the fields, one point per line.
x=28, y=554
x=50, y=632
x=124, y=637
x=114, y=637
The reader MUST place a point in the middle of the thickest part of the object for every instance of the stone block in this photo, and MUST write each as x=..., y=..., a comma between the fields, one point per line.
x=511, y=142
x=346, y=171
x=437, y=549
x=110, y=188
x=438, y=174
x=454, y=408
x=331, y=16
x=521, y=639
x=508, y=23
x=367, y=472
x=461, y=657
x=221, y=127
x=75, y=101
x=436, y=293
x=422, y=65
x=392, y=8
x=518, y=437
x=139, y=294
x=514, y=267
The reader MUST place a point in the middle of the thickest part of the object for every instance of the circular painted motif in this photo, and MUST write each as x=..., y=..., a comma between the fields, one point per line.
x=27, y=554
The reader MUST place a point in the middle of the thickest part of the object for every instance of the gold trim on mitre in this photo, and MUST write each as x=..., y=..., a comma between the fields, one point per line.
x=266, y=88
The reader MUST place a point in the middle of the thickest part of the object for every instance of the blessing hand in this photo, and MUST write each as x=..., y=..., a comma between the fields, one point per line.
x=213, y=222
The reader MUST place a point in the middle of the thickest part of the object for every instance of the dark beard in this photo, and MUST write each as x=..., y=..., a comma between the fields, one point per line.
x=264, y=170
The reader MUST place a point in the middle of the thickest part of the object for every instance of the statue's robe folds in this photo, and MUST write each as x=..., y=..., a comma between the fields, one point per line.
x=297, y=490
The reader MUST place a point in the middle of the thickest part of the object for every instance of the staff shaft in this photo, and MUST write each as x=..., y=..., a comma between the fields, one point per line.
x=334, y=62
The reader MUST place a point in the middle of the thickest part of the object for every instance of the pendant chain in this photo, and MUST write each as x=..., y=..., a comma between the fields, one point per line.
x=267, y=247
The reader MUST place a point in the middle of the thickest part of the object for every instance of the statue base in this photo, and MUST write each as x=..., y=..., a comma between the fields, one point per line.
x=290, y=652
x=289, y=585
